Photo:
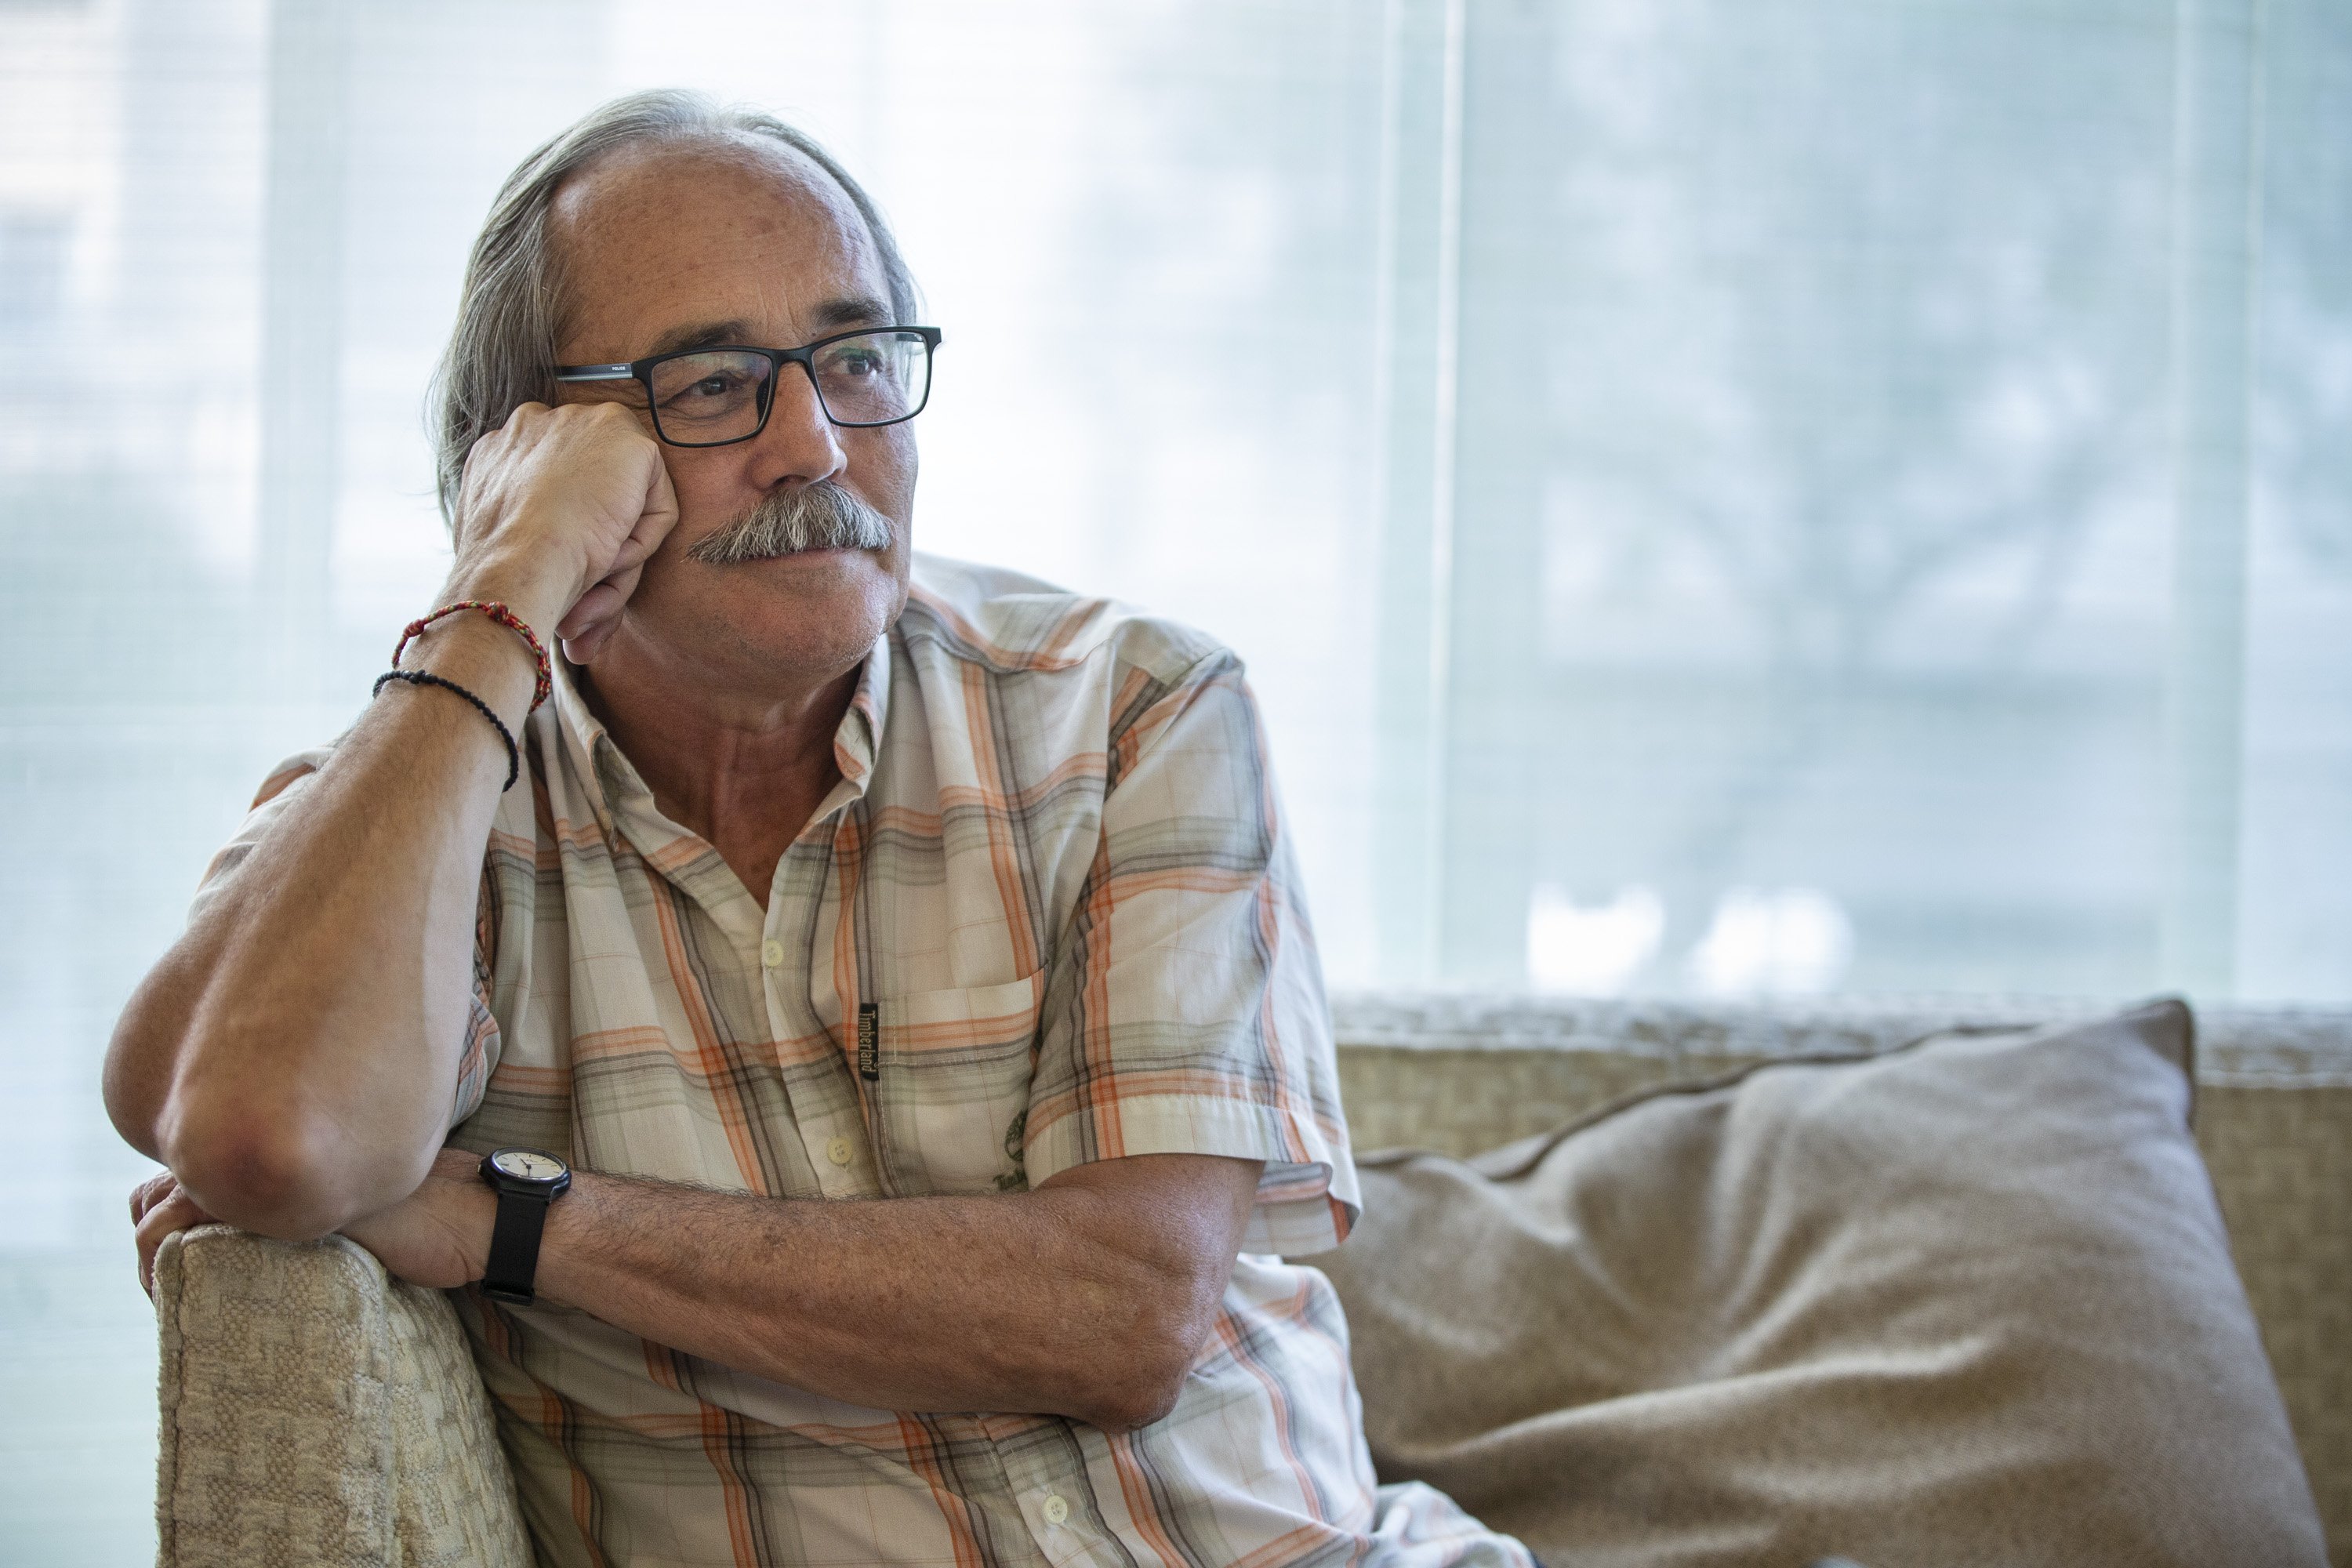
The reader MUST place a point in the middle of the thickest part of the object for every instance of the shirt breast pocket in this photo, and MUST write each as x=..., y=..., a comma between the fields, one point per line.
x=950, y=1093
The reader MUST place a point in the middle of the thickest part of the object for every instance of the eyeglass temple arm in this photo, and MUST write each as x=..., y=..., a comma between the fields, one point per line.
x=594, y=372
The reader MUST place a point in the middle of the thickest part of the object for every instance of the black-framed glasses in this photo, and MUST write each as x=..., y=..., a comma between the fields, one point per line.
x=713, y=397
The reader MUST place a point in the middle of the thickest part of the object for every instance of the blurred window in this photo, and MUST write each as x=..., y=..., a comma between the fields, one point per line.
x=1716, y=498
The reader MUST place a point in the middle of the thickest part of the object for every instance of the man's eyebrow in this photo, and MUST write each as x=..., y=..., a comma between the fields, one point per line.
x=863, y=310
x=833, y=316
x=701, y=335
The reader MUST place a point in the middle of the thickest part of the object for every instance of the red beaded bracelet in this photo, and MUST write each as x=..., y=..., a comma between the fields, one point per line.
x=505, y=617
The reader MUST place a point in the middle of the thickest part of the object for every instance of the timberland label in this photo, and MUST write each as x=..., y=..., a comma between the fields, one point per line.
x=870, y=1040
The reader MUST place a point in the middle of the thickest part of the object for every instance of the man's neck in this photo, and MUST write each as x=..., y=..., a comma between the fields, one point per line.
x=744, y=771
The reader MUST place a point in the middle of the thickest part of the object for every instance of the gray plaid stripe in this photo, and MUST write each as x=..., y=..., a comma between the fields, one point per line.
x=1055, y=866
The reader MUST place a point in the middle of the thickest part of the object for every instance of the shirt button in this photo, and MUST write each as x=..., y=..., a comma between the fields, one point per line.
x=839, y=1151
x=1055, y=1510
x=772, y=952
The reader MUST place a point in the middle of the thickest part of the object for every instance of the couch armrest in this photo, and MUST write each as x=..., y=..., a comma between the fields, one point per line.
x=315, y=1411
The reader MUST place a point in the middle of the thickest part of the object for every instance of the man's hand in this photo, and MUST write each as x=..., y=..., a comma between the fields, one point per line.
x=290, y=1057
x=159, y=1208
x=560, y=509
x=440, y=1234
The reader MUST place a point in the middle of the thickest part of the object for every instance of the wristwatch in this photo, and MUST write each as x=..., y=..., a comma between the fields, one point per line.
x=527, y=1181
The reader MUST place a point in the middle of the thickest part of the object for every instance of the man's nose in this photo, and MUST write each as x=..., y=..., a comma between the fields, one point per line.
x=798, y=443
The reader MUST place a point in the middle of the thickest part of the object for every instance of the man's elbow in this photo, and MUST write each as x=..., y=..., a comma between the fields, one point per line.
x=1136, y=1403
x=271, y=1170
x=1141, y=1379
x=143, y=1056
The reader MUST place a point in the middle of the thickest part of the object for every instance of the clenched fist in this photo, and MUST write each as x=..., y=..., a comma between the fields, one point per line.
x=559, y=511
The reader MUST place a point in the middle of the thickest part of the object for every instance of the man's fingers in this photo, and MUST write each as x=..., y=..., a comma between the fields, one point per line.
x=656, y=517
x=175, y=1213
x=593, y=621
x=633, y=553
x=583, y=649
x=596, y=607
x=660, y=513
x=150, y=1193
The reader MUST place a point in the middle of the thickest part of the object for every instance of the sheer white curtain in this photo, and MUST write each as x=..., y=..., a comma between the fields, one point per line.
x=1895, y=451
x=1715, y=497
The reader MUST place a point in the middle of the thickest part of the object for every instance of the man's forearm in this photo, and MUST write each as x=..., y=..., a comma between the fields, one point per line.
x=1088, y=1298
x=293, y=1057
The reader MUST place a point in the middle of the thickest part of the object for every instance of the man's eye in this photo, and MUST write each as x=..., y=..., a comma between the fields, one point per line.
x=719, y=386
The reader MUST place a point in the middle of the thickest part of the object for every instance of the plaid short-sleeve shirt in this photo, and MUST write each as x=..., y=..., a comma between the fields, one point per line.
x=1047, y=916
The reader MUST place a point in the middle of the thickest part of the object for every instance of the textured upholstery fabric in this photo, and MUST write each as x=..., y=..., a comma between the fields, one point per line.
x=316, y=1413
x=1966, y=1302
x=262, y=1338
x=2273, y=1119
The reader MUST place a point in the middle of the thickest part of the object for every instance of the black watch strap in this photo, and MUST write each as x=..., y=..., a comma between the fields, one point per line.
x=514, y=1247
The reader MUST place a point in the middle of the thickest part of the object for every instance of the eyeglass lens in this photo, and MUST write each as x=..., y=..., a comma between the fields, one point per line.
x=719, y=394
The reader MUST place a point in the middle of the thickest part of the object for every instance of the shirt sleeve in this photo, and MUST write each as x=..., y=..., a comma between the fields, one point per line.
x=284, y=785
x=1184, y=1009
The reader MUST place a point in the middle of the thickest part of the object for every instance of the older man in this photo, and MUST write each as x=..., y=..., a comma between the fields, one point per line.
x=828, y=873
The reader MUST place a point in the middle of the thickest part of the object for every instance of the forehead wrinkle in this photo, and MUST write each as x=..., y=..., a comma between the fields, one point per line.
x=699, y=335
x=840, y=314
x=614, y=210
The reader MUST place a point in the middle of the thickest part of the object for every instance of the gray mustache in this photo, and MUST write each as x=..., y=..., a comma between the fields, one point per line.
x=821, y=516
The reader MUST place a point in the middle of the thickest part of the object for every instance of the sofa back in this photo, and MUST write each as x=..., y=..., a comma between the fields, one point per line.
x=2273, y=1117
x=314, y=1411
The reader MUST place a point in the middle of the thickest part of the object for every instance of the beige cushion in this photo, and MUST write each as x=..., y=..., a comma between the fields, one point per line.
x=316, y=1412
x=1464, y=1071
x=1969, y=1302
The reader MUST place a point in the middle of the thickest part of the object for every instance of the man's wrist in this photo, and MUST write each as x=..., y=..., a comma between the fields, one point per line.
x=569, y=1225
x=481, y=655
x=537, y=602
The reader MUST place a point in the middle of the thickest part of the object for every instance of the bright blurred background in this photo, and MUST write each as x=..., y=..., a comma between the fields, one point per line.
x=1717, y=497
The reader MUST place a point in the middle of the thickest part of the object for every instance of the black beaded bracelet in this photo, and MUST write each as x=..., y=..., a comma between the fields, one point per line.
x=424, y=677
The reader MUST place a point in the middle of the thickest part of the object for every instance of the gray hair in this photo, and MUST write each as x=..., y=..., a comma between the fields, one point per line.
x=502, y=354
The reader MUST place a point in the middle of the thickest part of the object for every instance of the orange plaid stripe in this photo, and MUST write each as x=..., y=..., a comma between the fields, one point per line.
x=1055, y=864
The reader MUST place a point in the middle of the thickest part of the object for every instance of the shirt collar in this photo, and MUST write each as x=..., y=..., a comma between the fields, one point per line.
x=857, y=745
x=589, y=751
x=619, y=795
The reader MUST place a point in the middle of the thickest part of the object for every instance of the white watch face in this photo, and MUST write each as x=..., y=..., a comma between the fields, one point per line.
x=528, y=1164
